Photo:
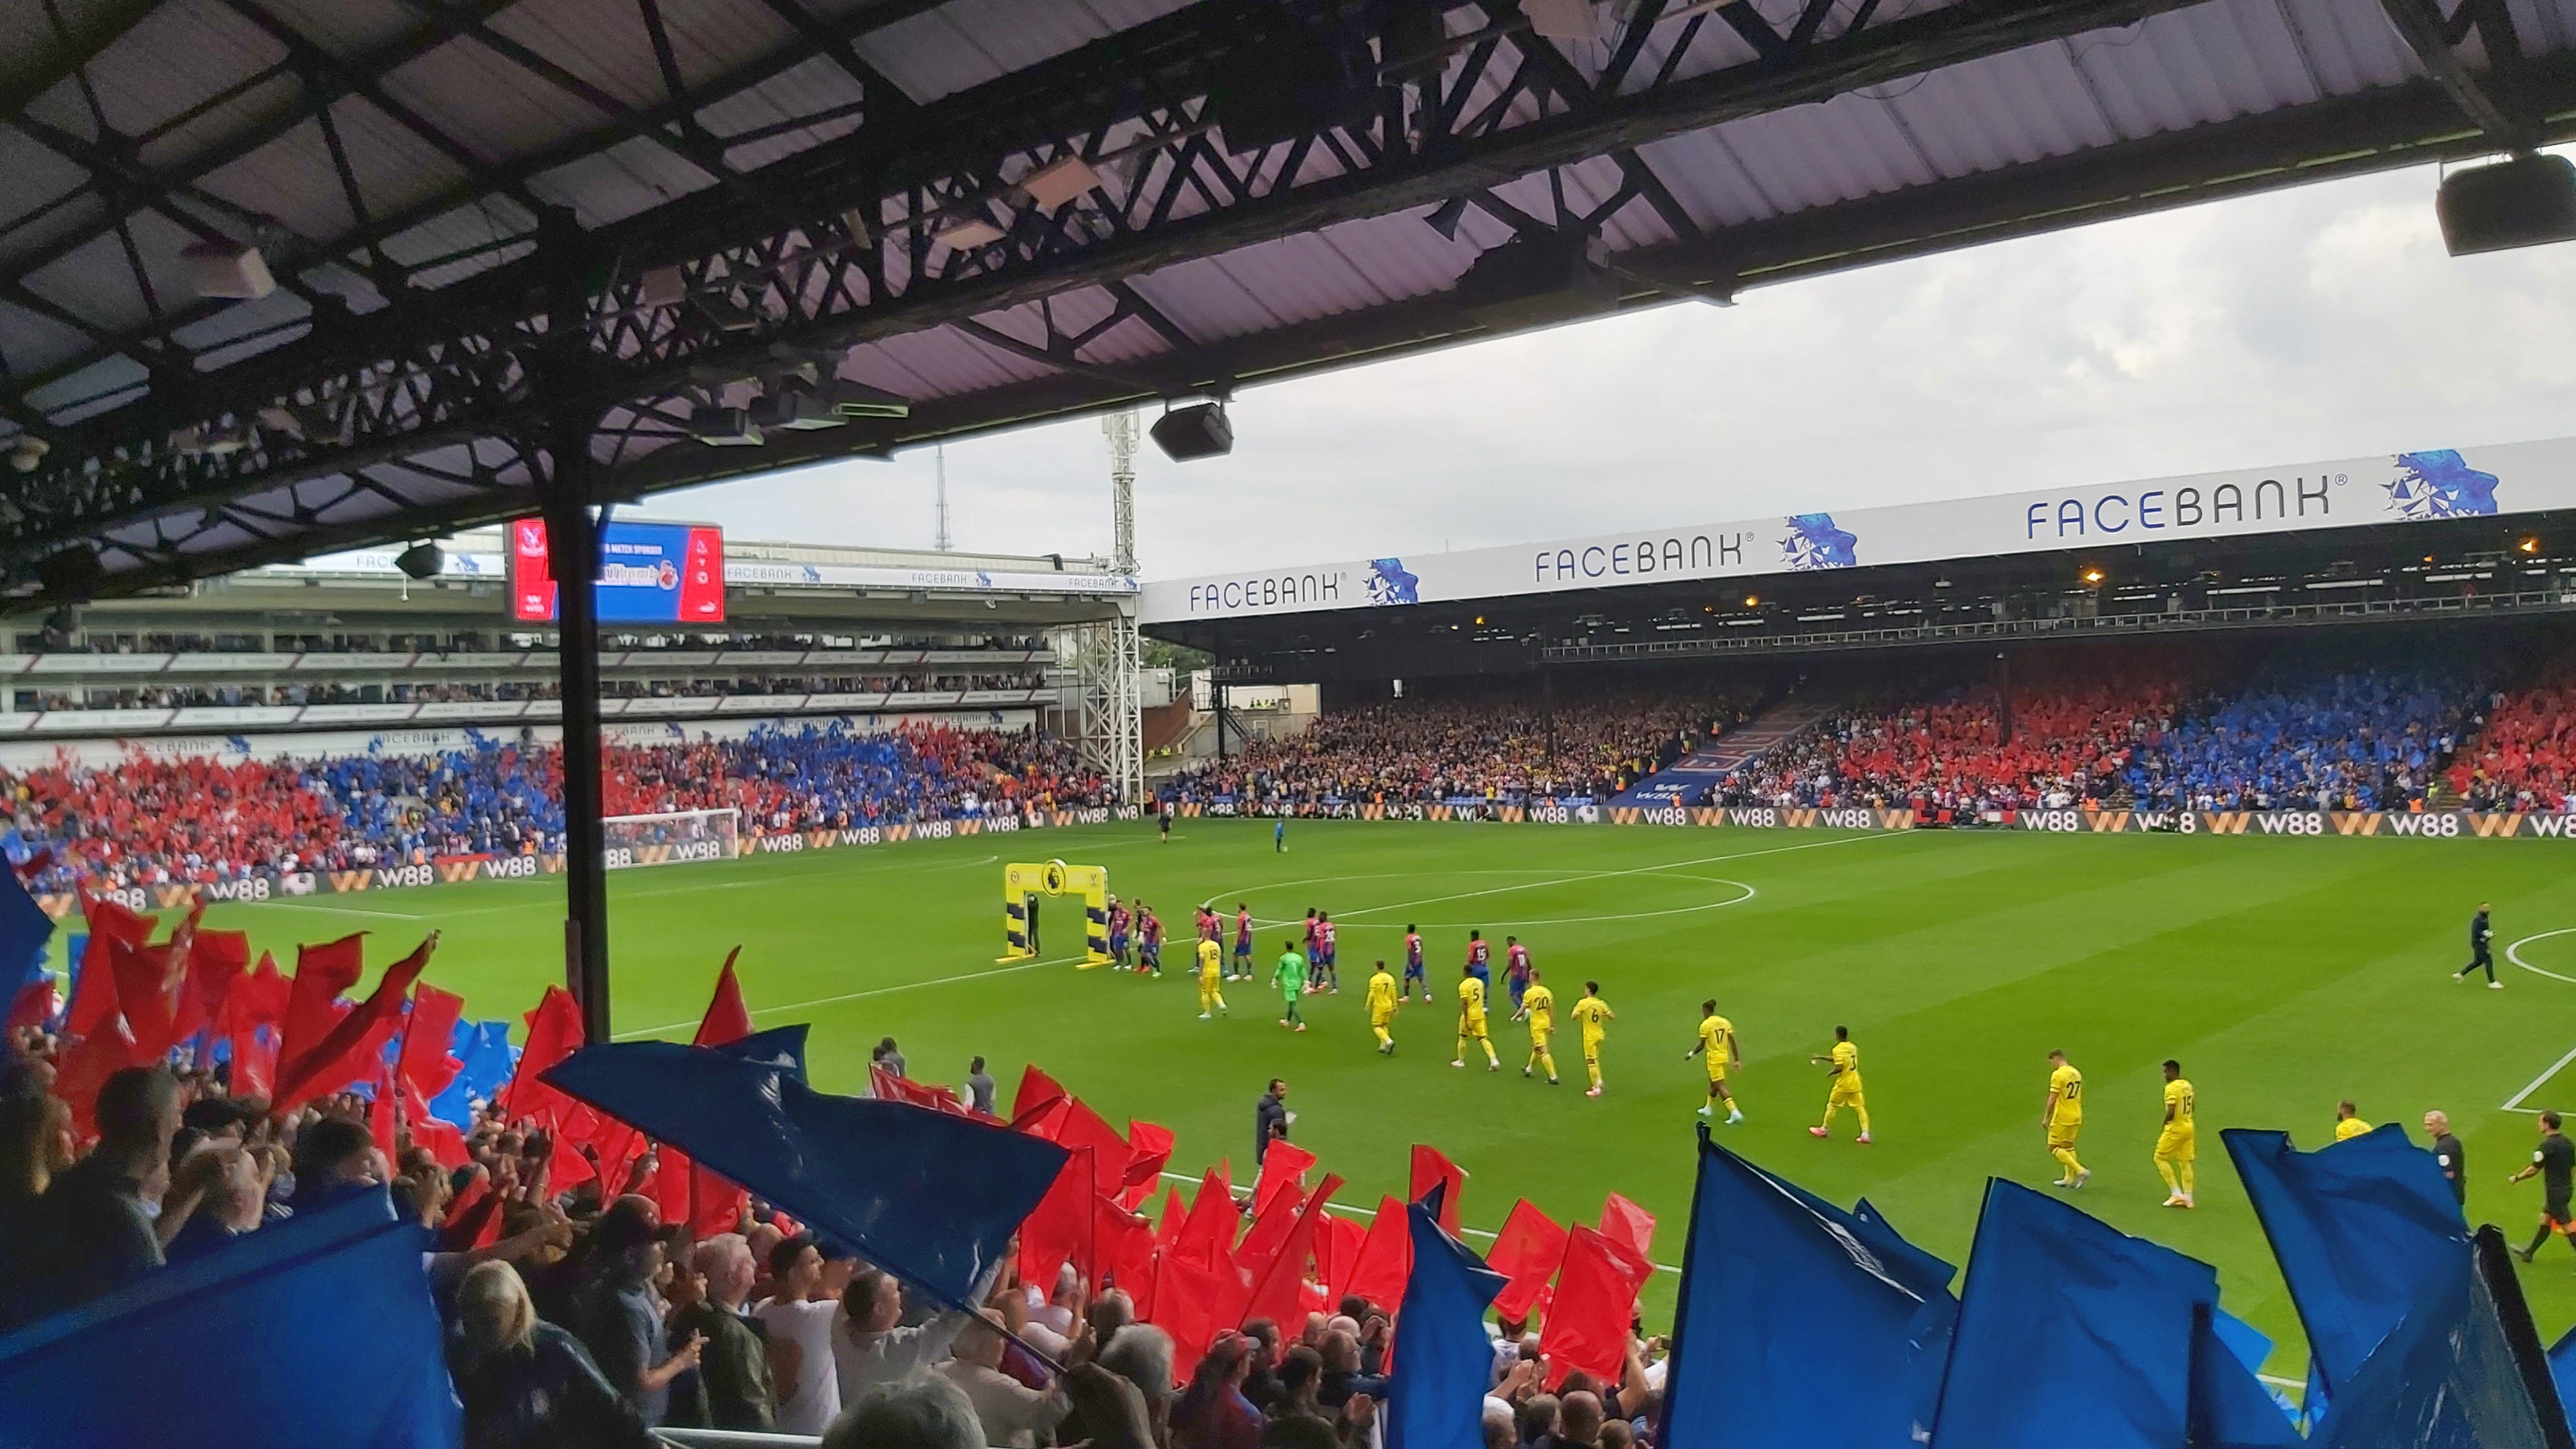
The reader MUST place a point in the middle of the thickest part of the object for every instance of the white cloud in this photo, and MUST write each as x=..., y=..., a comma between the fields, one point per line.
x=2316, y=323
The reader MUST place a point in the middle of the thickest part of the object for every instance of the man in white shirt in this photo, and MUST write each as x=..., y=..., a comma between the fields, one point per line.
x=800, y=1338
x=1014, y=1415
x=869, y=1345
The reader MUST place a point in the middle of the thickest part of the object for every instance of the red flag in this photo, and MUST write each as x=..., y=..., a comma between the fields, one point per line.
x=1056, y=1231
x=1278, y=1290
x=94, y=992
x=554, y=1033
x=1385, y=1260
x=1122, y=1248
x=1268, y=1234
x=380, y=1118
x=1431, y=1169
x=1186, y=1293
x=726, y=1020
x=34, y=1005
x=216, y=959
x=1168, y=1231
x=474, y=1219
x=1337, y=1252
x=425, y=1066
x=1526, y=1252
x=1084, y=1128
x=86, y=1064
x=888, y=1087
x=1149, y=1149
x=1208, y=1237
x=322, y=974
x=1038, y=1092
x=1596, y=1300
x=342, y=1055
x=250, y=1016
x=1629, y=1225
x=1283, y=1169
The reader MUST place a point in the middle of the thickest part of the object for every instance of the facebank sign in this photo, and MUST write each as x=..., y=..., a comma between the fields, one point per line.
x=2390, y=488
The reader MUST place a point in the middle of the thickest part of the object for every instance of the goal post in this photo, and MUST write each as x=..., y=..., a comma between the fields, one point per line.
x=666, y=839
x=1024, y=883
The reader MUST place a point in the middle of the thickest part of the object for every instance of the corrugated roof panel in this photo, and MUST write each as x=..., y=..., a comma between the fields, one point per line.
x=2012, y=108
x=88, y=391
x=944, y=362
x=711, y=38
x=2545, y=24
x=349, y=28
x=628, y=177
x=290, y=178
x=1305, y=277
x=968, y=42
x=1205, y=299
x=1406, y=258
x=606, y=48
x=177, y=57
x=492, y=106
x=1132, y=340
x=1815, y=155
x=396, y=169
x=814, y=87
x=240, y=319
x=37, y=174
x=94, y=281
x=475, y=224
x=1701, y=170
x=2348, y=44
x=32, y=341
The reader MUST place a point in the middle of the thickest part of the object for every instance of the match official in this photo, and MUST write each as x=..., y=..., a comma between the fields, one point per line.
x=2454, y=1159
x=2480, y=958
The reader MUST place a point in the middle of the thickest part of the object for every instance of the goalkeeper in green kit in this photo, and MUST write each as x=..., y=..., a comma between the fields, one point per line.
x=1290, y=977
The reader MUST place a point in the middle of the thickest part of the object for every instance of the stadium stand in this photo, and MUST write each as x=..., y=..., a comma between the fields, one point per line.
x=2525, y=756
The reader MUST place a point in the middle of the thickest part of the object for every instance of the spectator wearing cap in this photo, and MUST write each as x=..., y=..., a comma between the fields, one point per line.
x=799, y=1324
x=90, y=1232
x=734, y=1367
x=619, y=1319
x=1214, y=1414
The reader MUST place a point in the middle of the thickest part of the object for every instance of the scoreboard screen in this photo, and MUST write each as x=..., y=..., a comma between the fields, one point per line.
x=649, y=573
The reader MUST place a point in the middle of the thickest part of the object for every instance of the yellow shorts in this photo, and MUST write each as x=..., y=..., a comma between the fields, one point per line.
x=2175, y=1146
x=1381, y=1018
x=1475, y=1028
x=1844, y=1095
x=2063, y=1135
x=1539, y=1040
x=1717, y=1071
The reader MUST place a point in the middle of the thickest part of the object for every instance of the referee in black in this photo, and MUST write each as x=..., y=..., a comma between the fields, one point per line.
x=2555, y=1165
x=2452, y=1157
x=2480, y=933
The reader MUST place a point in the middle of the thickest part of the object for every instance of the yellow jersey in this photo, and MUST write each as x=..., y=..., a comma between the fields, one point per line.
x=1471, y=1001
x=1846, y=1059
x=2178, y=1097
x=1211, y=962
x=2066, y=1097
x=2348, y=1127
x=1540, y=1003
x=1381, y=996
x=1594, y=1013
x=1714, y=1034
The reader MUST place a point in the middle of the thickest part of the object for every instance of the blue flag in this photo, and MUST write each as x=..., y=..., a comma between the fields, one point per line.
x=2450, y=1374
x=1797, y=1323
x=315, y=1330
x=1443, y=1360
x=486, y=1060
x=930, y=1197
x=24, y=930
x=2362, y=1230
x=2070, y=1332
x=782, y=1047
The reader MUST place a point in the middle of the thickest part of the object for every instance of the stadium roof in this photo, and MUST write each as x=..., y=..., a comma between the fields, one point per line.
x=509, y=234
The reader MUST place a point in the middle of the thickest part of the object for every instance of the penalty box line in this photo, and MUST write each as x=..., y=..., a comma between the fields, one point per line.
x=2513, y=953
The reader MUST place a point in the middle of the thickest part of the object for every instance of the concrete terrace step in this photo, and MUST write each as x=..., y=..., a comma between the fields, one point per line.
x=1705, y=766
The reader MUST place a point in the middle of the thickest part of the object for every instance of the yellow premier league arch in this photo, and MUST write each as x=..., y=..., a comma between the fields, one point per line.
x=1024, y=884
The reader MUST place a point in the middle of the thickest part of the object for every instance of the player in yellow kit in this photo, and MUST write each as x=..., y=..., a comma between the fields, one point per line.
x=1383, y=999
x=1595, y=1016
x=1717, y=1043
x=1538, y=1008
x=1211, y=971
x=2348, y=1123
x=2062, y=1118
x=2175, y=1144
x=1471, y=1019
x=1844, y=1063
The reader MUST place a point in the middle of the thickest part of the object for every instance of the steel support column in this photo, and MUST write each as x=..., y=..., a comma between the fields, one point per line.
x=572, y=545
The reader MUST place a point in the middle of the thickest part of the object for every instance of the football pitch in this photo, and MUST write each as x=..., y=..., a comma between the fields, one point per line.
x=2284, y=974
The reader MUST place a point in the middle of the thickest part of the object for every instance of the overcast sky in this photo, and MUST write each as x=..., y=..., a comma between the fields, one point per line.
x=2317, y=323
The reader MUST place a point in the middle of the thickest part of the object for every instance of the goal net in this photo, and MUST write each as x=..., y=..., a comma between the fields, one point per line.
x=668, y=839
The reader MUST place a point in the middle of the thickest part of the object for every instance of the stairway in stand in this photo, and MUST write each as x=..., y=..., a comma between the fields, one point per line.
x=1683, y=781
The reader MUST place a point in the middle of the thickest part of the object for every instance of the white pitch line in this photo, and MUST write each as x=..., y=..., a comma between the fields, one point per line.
x=342, y=910
x=2513, y=953
x=1372, y=1212
x=762, y=1011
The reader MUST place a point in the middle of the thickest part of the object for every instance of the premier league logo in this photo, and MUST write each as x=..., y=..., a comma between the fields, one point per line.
x=1814, y=543
x=2440, y=484
x=1388, y=583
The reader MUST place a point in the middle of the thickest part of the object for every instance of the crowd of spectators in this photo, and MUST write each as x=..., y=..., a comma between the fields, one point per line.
x=580, y=1316
x=1500, y=747
x=152, y=819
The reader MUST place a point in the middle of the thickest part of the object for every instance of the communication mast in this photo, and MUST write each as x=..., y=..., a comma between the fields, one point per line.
x=1109, y=654
x=939, y=460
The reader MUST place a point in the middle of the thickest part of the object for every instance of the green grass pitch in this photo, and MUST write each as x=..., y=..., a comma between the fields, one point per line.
x=2285, y=974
